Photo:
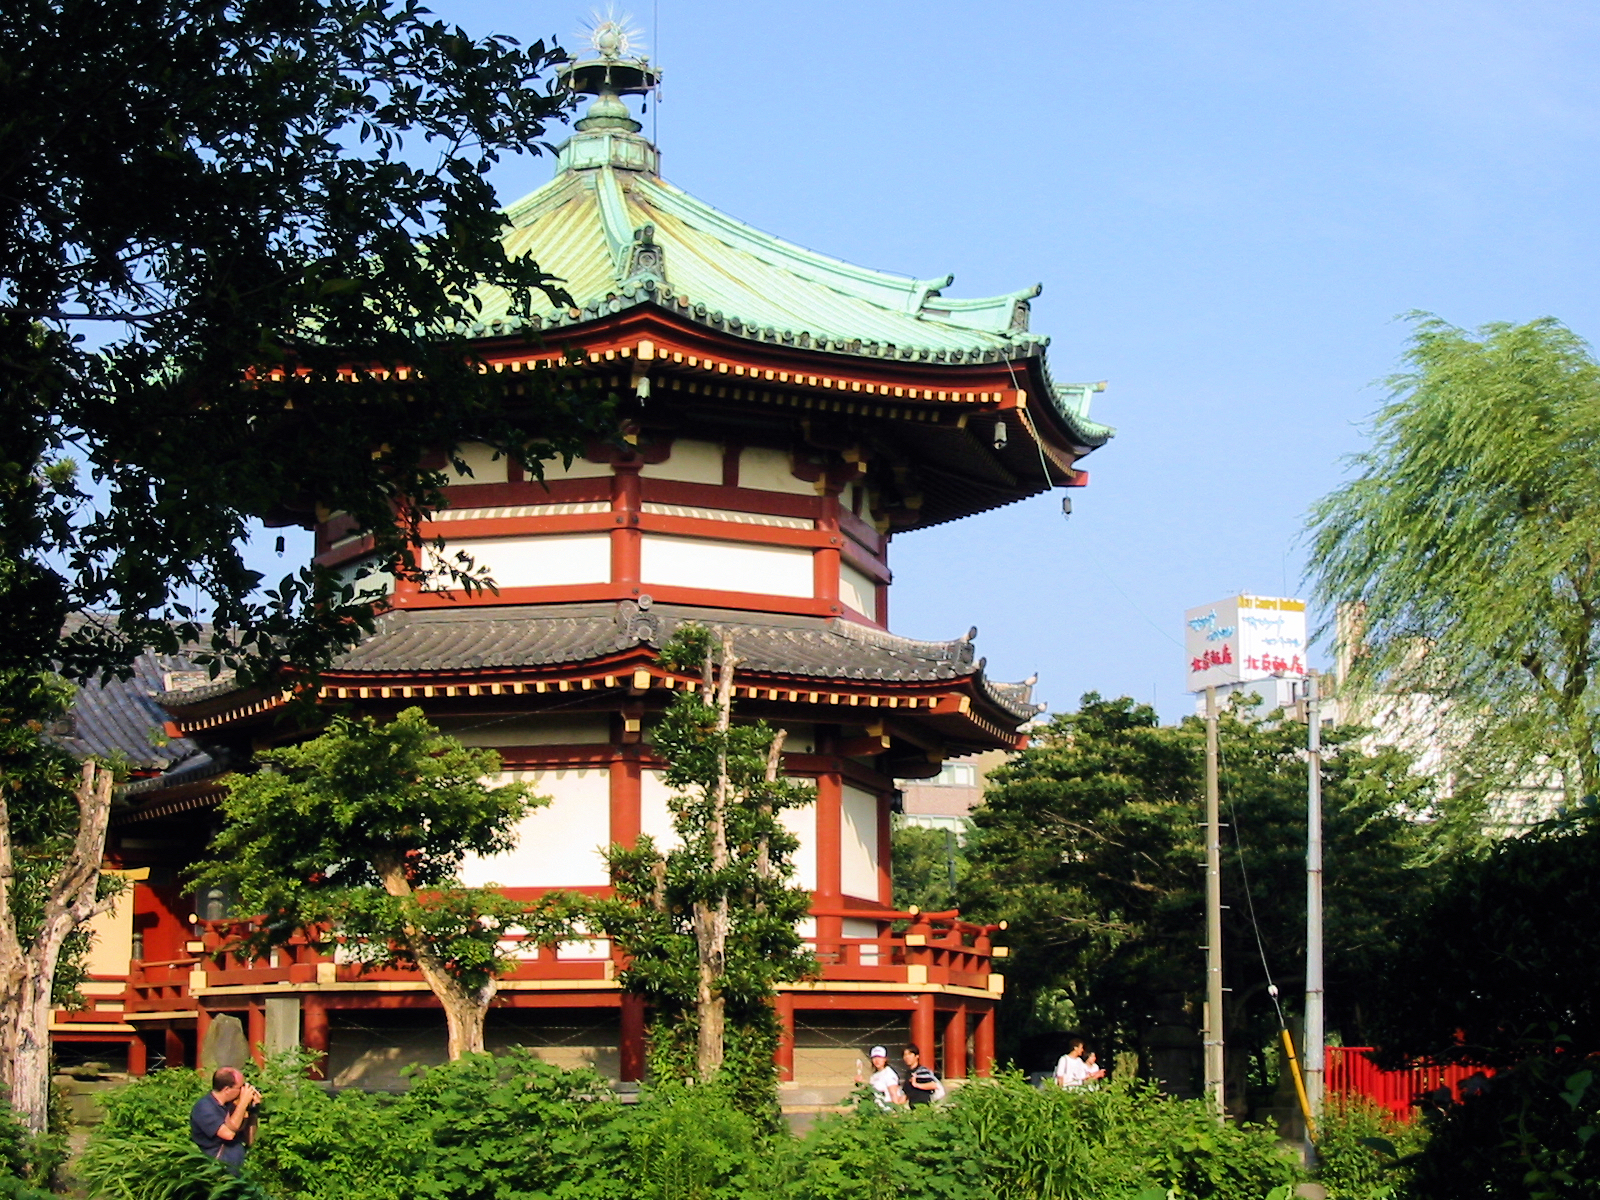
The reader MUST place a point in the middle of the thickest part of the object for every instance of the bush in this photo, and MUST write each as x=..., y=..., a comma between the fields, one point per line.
x=1529, y=1132
x=1006, y=1139
x=509, y=1127
x=1363, y=1150
x=26, y=1162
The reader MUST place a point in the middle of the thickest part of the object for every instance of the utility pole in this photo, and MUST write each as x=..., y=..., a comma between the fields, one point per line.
x=1314, y=1036
x=1213, y=1014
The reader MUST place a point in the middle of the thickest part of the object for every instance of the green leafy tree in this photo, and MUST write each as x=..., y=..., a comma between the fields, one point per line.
x=53, y=817
x=1504, y=949
x=1089, y=841
x=710, y=926
x=197, y=193
x=357, y=838
x=927, y=864
x=1466, y=548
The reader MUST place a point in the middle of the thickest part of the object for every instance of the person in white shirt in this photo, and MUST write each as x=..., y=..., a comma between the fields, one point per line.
x=1071, y=1070
x=885, y=1080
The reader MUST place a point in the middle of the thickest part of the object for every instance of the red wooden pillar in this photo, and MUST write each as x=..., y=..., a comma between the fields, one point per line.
x=172, y=1048
x=202, y=1025
x=983, y=1044
x=830, y=836
x=625, y=536
x=825, y=562
x=626, y=819
x=783, y=1058
x=314, y=1032
x=955, y=1043
x=922, y=1032
x=631, y=1041
x=256, y=1032
x=138, y=1055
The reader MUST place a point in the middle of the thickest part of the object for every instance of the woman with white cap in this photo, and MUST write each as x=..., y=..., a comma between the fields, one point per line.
x=885, y=1080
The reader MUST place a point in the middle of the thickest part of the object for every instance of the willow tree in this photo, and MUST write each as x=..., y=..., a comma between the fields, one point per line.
x=1465, y=549
x=356, y=839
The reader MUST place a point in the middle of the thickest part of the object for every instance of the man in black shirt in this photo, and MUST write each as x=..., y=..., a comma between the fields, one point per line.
x=921, y=1084
x=223, y=1124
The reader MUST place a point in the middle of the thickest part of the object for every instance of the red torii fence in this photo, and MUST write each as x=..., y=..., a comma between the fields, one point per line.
x=1351, y=1073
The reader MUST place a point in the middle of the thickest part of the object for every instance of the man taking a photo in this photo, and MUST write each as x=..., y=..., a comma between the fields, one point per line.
x=223, y=1124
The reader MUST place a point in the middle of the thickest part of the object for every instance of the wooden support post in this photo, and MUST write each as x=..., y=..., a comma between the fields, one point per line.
x=625, y=536
x=783, y=1058
x=256, y=1032
x=138, y=1055
x=922, y=1031
x=825, y=562
x=955, y=1043
x=626, y=818
x=314, y=1033
x=830, y=850
x=630, y=1067
x=983, y=1044
x=172, y=1048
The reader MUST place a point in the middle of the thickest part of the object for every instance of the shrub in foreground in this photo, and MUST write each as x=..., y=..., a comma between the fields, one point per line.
x=508, y=1127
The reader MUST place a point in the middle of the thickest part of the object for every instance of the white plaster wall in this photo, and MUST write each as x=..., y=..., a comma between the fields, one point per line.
x=581, y=468
x=858, y=843
x=485, y=467
x=802, y=822
x=689, y=462
x=769, y=470
x=725, y=566
x=858, y=591
x=655, y=818
x=546, y=561
x=111, y=933
x=558, y=845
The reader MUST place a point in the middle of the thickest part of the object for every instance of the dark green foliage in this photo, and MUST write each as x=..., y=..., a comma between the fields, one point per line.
x=1088, y=844
x=1446, y=540
x=210, y=186
x=26, y=1161
x=1529, y=1133
x=150, y=1169
x=1361, y=1150
x=1006, y=1139
x=38, y=778
x=364, y=829
x=1508, y=948
x=510, y=1128
x=927, y=863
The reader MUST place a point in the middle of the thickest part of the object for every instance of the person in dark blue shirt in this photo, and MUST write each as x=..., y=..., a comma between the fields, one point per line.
x=921, y=1085
x=222, y=1124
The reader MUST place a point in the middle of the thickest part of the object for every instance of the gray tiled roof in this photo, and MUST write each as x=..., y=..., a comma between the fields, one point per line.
x=122, y=717
x=479, y=637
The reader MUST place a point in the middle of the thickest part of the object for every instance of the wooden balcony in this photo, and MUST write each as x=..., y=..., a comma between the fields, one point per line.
x=931, y=949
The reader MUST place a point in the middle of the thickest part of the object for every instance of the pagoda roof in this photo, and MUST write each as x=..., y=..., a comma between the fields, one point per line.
x=617, y=236
x=473, y=638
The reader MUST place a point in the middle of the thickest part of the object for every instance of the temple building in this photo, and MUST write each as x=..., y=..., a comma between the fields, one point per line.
x=787, y=415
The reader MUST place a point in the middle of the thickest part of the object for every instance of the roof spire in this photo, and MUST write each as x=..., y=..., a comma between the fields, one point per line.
x=610, y=67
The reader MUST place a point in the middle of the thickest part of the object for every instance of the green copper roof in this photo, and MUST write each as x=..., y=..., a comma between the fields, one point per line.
x=618, y=235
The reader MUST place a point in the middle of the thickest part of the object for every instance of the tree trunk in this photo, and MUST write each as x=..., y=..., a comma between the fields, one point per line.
x=712, y=920
x=27, y=969
x=464, y=1011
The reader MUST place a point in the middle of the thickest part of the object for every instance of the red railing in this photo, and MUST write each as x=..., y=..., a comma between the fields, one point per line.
x=1350, y=1072
x=933, y=948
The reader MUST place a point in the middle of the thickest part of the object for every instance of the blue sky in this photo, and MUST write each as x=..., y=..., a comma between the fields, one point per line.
x=1229, y=205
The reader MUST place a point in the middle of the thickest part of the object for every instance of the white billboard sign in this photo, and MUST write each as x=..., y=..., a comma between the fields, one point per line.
x=1244, y=638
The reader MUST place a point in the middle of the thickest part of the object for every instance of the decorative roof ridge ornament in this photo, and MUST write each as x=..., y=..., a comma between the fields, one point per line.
x=610, y=67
